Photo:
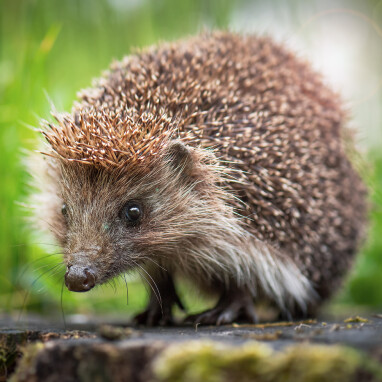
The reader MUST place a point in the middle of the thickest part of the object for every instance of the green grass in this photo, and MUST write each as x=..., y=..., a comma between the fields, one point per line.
x=365, y=283
x=51, y=49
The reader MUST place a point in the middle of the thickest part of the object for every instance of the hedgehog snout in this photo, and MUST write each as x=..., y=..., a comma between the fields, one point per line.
x=79, y=278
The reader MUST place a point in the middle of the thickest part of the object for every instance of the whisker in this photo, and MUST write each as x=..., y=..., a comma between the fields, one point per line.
x=145, y=283
x=28, y=244
x=112, y=284
x=62, y=303
x=27, y=265
x=156, y=286
x=46, y=265
x=31, y=287
x=156, y=263
x=51, y=275
x=127, y=290
x=156, y=292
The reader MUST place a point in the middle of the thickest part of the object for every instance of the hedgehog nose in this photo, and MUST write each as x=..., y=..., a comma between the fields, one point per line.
x=79, y=279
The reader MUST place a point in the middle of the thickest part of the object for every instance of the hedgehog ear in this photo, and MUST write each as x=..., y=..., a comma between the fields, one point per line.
x=179, y=157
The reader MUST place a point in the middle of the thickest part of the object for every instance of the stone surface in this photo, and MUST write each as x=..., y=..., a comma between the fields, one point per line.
x=87, y=351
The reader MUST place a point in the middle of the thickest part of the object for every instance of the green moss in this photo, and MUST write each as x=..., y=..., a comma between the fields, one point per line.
x=208, y=361
x=214, y=362
x=10, y=352
x=26, y=367
x=3, y=363
x=356, y=319
x=116, y=333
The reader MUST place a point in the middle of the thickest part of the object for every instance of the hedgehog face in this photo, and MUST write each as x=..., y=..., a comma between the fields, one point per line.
x=110, y=222
x=104, y=224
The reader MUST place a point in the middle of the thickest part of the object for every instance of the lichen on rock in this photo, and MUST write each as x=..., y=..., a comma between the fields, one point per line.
x=215, y=362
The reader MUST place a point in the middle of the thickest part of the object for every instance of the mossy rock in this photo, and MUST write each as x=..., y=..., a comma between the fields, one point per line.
x=215, y=362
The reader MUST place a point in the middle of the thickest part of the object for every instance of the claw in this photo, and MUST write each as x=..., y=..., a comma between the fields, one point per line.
x=231, y=307
x=160, y=314
x=153, y=317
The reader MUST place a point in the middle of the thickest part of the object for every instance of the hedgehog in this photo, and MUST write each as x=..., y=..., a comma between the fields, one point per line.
x=219, y=159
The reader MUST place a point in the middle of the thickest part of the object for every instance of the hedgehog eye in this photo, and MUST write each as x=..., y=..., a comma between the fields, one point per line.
x=64, y=209
x=132, y=212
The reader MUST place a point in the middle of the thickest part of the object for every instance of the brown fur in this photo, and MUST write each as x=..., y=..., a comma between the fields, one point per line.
x=263, y=173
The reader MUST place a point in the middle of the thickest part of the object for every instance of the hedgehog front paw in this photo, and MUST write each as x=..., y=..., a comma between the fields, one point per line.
x=230, y=307
x=162, y=300
x=155, y=315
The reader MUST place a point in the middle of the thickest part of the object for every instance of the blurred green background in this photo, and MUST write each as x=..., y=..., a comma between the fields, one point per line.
x=50, y=49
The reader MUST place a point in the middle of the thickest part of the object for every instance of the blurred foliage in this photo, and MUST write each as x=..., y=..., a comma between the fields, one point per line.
x=365, y=283
x=48, y=51
x=51, y=49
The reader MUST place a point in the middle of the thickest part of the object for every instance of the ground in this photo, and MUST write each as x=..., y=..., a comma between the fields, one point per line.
x=311, y=350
